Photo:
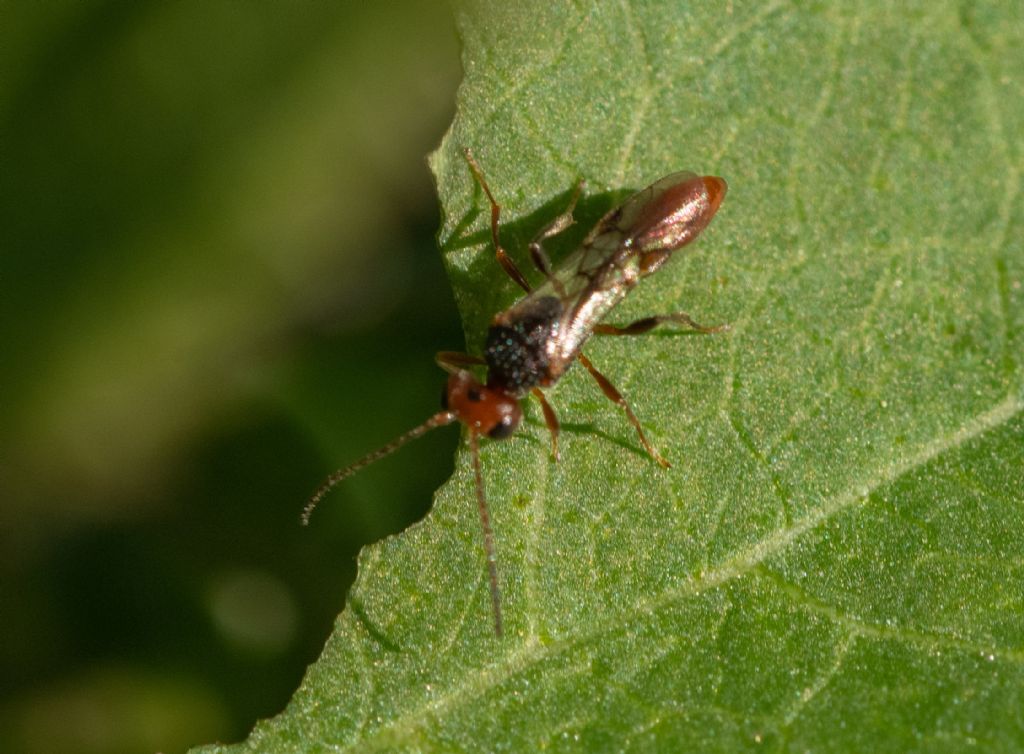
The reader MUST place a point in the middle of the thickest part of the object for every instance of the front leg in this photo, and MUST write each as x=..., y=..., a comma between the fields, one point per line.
x=454, y=361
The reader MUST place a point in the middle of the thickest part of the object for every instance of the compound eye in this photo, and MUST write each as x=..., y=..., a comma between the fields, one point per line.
x=503, y=428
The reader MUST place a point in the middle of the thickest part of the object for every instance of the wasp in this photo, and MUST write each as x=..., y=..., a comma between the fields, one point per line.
x=531, y=344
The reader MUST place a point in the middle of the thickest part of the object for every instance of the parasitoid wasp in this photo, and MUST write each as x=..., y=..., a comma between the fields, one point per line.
x=531, y=344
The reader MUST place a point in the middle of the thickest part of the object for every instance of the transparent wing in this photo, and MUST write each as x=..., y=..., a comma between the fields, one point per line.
x=631, y=241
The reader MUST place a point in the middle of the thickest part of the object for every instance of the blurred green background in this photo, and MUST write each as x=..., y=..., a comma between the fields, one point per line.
x=219, y=283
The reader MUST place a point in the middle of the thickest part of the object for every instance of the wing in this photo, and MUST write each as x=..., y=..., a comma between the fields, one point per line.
x=630, y=242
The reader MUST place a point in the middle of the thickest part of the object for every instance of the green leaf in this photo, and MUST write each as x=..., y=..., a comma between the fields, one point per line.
x=835, y=561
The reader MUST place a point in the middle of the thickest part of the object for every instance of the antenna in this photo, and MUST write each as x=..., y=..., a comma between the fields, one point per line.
x=440, y=419
x=485, y=523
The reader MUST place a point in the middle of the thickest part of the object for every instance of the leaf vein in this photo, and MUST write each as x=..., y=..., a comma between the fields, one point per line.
x=646, y=94
x=858, y=627
x=842, y=649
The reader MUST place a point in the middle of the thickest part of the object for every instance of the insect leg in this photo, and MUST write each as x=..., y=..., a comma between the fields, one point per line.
x=649, y=323
x=453, y=361
x=614, y=395
x=550, y=418
x=503, y=258
x=556, y=226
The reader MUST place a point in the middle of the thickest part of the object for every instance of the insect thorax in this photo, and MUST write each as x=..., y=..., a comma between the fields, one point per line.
x=516, y=349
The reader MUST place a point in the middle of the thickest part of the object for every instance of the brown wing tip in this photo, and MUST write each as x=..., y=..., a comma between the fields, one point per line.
x=716, y=188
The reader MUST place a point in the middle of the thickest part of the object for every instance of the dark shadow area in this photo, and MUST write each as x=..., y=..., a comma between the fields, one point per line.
x=516, y=235
x=221, y=283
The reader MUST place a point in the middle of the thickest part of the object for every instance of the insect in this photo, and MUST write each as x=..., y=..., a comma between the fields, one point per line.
x=531, y=344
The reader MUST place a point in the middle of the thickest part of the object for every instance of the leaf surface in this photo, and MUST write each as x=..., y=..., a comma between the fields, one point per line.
x=834, y=562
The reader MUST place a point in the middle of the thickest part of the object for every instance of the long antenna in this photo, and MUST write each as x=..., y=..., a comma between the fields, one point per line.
x=437, y=420
x=485, y=522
